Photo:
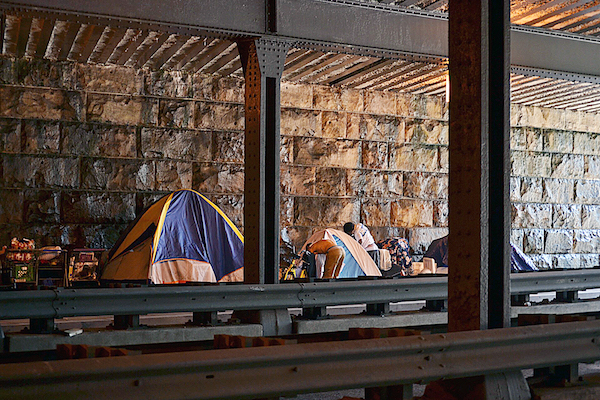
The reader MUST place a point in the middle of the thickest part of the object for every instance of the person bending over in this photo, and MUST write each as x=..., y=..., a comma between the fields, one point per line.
x=334, y=256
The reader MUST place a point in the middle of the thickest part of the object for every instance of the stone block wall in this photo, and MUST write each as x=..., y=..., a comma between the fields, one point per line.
x=555, y=186
x=85, y=148
x=376, y=157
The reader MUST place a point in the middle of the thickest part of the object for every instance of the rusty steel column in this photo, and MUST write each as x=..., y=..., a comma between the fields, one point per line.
x=263, y=61
x=479, y=202
x=479, y=208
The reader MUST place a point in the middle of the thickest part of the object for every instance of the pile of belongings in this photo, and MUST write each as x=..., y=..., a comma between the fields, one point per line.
x=83, y=266
x=401, y=260
x=21, y=256
x=438, y=251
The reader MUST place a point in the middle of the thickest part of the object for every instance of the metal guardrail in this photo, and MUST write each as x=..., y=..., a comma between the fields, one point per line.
x=551, y=281
x=61, y=303
x=67, y=302
x=304, y=368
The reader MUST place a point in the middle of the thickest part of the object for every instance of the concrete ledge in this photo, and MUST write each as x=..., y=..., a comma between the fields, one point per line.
x=20, y=342
x=557, y=308
x=343, y=323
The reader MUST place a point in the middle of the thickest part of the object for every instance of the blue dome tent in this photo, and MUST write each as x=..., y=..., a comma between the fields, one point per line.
x=182, y=237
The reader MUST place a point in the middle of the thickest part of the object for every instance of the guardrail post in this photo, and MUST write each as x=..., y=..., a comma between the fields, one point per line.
x=378, y=309
x=314, y=312
x=567, y=372
x=274, y=322
x=559, y=373
x=126, y=321
x=519, y=299
x=205, y=318
x=3, y=344
x=567, y=297
x=436, y=305
x=41, y=325
x=397, y=392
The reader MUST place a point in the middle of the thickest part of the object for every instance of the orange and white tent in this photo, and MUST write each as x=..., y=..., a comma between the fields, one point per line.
x=357, y=261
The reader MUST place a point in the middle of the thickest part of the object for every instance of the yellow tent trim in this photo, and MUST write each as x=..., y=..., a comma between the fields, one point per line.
x=145, y=221
x=161, y=222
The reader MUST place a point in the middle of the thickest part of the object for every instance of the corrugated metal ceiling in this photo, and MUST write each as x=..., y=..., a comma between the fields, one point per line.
x=63, y=40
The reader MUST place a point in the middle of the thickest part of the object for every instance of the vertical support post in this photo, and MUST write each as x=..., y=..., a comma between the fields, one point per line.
x=262, y=61
x=519, y=299
x=479, y=203
x=41, y=325
x=2, y=27
x=436, y=305
x=568, y=296
x=378, y=309
x=314, y=312
x=479, y=206
x=3, y=341
x=126, y=321
x=202, y=318
x=398, y=392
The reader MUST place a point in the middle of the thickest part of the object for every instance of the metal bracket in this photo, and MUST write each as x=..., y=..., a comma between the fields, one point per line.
x=314, y=312
x=436, y=305
x=571, y=296
x=126, y=321
x=519, y=299
x=274, y=322
x=378, y=309
x=201, y=318
x=3, y=341
x=271, y=54
x=41, y=325
x=395, y=392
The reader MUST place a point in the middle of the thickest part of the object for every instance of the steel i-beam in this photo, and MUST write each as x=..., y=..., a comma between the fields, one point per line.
x=263, y=61
x=479, y=204
x=479, y=219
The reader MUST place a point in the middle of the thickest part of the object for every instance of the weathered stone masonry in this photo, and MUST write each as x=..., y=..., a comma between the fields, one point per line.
x=85, y=148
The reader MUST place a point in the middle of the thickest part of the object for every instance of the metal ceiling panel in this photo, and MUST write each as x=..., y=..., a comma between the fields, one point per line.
x=339, y=25
x=178, y=15
x=334, y=52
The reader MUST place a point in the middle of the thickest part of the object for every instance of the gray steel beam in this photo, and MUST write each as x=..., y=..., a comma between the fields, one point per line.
x=304, y=368
x=351, y=23
x=562, y=52
x=326, y=25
